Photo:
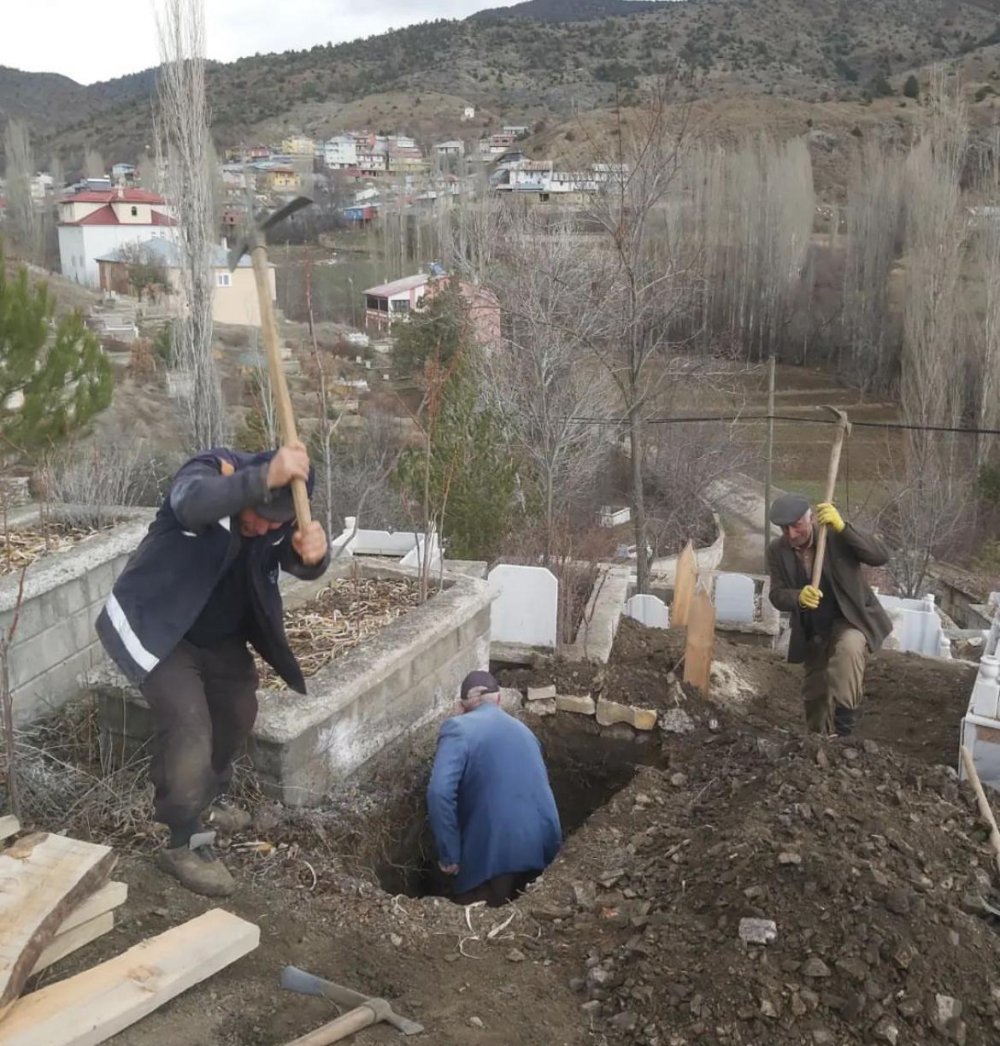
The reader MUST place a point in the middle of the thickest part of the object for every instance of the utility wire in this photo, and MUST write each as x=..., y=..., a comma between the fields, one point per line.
x=743, y=418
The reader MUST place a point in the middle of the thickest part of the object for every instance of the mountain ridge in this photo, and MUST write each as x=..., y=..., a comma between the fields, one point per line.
x=536, y=63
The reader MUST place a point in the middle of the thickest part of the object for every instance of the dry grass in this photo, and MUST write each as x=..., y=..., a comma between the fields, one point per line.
x=350, y=611
x=22, y=547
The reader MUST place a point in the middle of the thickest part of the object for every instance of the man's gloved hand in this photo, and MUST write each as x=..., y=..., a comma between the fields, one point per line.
x=809, y=597
x=827, y=515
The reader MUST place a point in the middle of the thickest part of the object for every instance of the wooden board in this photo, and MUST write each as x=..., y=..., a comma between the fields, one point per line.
x=9, y=826
x=67, y=943
x=100, y=1002
x=111, y=895
x=684, y=585
x=44, y=878
x=700, y=641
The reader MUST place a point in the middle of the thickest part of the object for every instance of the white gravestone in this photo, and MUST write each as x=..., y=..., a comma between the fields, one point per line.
x=648, y=610
x=734, y=599
x=526, y=605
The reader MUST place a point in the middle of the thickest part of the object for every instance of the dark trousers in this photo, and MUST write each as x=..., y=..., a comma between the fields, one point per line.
x=498, y=891
x=203, y=703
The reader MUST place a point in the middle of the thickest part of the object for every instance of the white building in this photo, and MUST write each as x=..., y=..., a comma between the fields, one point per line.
x=94, y=224
x=340, y=152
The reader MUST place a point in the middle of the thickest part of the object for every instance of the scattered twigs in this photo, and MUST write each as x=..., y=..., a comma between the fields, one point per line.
x=7, y=702
x=341, y=617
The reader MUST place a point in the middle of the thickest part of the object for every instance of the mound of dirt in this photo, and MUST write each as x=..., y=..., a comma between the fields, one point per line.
x=870, y=867
x=911, y=702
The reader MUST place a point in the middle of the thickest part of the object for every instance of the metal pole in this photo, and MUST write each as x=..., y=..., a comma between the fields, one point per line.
x=769, y=457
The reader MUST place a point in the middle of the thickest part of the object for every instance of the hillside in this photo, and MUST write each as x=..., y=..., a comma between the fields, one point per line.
x=540, y=63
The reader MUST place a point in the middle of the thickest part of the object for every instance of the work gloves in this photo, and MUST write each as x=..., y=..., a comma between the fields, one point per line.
x=810, y=596
x=827, y=515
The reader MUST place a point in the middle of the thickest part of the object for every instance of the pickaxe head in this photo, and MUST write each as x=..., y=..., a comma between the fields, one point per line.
x=841, y=417
x=255, y=236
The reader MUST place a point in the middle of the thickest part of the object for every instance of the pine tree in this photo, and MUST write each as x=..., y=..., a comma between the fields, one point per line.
x=53, y=376
x=911, y=89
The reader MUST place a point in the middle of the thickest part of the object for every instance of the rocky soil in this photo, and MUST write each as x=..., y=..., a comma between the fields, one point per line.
x=867, y=857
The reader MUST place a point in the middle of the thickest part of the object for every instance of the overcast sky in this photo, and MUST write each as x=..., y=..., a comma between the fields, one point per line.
x=100, y=41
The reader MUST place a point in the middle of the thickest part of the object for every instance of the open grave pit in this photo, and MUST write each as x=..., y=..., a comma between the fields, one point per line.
x=376, y=824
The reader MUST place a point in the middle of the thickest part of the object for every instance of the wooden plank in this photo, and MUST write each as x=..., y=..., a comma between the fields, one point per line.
x=100, y=1002
x=685, y=580
x=67, y=943
x=9, y=825
x=109, y=896
x=700, y=641
x=44, y=878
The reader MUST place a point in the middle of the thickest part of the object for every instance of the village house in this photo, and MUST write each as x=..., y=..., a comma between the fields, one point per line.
x=340, y=152
x=389, y=303
x=454, y=147
x=517, y=130
x=234, y=294
x=93, y=224
x=298, y=145
x=276, y=177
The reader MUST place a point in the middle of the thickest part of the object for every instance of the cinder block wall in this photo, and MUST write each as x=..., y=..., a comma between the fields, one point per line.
x=55, y=647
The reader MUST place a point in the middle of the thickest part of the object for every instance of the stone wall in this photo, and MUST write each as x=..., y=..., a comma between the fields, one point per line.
x=55, y=648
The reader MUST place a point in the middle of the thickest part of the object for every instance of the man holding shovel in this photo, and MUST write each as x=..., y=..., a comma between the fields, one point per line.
x=835, y=624
x=203, y=584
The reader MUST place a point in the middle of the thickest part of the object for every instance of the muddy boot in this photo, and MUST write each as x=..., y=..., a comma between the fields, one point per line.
x=845, y=720
x=227, y=819
x=197, y=868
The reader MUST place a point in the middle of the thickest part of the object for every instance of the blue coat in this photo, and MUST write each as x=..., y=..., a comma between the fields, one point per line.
x=490, y=805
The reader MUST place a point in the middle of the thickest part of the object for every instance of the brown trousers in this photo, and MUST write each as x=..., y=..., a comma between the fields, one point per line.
x=834, y=677
x=203, y=703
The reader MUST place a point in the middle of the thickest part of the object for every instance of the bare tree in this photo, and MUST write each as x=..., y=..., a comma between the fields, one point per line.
x=23, y=218
x=986, y=254
x=874, y=233
x=644, y=286
x=542, y=379
x=182, y=124
x=751, y=210
x=93, y=165
x=932, y=389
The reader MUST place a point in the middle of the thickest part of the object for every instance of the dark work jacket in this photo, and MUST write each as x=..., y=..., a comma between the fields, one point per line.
x=845, y=552
x=188, y=547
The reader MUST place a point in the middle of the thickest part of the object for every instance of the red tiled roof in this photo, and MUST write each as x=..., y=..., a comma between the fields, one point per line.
x=115, y=195
x=106, y=216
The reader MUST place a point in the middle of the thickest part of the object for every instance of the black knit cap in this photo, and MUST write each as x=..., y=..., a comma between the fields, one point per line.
x=788, y=509
x=479, y=681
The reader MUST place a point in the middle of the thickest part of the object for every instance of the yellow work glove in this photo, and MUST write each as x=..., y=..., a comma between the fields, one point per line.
x=809, y=597
x=827, y=515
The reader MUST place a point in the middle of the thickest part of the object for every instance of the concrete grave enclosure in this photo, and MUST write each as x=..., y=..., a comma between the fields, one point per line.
x=55, y=648
x=403, y=677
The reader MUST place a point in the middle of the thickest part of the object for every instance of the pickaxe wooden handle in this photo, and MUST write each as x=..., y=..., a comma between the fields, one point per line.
x=364, y=1016
x=843, y=430
x=269, y=329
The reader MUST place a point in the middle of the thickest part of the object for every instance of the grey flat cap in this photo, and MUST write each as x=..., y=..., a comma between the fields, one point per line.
x=788, y=509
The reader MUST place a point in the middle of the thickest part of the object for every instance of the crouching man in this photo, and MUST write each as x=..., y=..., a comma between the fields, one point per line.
x=491, y=808
x=836, y=626
x=203, y=584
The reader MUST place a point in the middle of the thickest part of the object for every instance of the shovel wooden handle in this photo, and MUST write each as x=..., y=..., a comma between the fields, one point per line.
x=361, y=1017
x=831, y=486
x=984, y=804
x=279, y=386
